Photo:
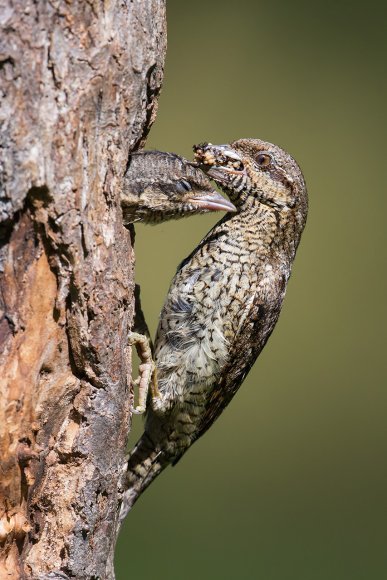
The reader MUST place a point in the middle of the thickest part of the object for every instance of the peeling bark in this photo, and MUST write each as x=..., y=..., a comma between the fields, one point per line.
x=79, y=83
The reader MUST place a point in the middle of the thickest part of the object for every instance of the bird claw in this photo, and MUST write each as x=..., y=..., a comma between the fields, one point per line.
x=147, y=370
x=139, y=410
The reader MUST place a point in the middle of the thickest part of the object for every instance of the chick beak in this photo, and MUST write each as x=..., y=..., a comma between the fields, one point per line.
x=211, y=202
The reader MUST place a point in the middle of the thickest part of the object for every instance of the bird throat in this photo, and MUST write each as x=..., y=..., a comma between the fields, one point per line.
x=260, y=228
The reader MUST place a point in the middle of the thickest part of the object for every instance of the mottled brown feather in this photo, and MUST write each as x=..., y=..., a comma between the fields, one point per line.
x=224, y=301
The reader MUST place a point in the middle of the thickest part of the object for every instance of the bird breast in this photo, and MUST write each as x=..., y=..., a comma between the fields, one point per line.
x=207, y=302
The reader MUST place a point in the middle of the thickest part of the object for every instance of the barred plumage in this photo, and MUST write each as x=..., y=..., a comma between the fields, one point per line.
x=223, y=302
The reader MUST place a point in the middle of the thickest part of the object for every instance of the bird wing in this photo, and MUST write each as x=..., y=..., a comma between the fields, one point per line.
x=248, y=343
x=257, y=324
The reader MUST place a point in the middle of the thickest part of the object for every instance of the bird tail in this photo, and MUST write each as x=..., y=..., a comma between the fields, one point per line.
x=144, y=465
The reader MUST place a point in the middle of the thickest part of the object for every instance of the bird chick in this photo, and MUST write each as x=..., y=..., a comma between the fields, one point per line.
x=160, y=186
x=223, y=302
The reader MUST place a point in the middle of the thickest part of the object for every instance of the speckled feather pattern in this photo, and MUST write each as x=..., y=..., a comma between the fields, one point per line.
x=223, y=303
x=159, y=186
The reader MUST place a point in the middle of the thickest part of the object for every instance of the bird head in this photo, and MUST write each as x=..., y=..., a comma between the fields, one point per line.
x=254, y=172
x=160, y=186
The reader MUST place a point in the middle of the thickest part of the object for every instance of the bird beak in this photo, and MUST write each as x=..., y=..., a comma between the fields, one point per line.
x=211, y=202
x=227, y=152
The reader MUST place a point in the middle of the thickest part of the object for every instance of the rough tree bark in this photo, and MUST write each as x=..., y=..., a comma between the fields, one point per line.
x=79, y=82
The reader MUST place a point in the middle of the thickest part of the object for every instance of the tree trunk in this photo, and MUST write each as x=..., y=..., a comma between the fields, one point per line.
x=79, y=82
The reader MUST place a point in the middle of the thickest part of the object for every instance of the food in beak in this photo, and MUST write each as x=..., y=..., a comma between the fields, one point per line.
x=219, y=156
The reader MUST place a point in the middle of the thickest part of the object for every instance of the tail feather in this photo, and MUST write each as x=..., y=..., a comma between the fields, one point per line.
x=144, y=465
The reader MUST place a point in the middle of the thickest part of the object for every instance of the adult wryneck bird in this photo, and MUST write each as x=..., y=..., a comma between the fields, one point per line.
x=223, y=302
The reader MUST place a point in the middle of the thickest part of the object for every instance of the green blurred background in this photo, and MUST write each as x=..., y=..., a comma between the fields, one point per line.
x=308, y=428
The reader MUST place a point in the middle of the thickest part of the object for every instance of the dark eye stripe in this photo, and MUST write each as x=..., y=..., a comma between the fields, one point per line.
x=276, y=172
x=280, y=176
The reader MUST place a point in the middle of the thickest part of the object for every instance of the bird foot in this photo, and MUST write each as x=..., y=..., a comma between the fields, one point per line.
x=147, y=369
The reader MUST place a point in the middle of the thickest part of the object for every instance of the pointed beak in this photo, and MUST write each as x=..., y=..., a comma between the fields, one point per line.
x=212, y=202
x=227, y=151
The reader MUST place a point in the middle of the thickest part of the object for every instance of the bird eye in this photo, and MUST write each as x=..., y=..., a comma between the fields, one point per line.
x=182, y=186
x=263, y=160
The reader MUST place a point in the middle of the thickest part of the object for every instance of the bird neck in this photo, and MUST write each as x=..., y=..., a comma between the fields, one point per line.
x=264, y=228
